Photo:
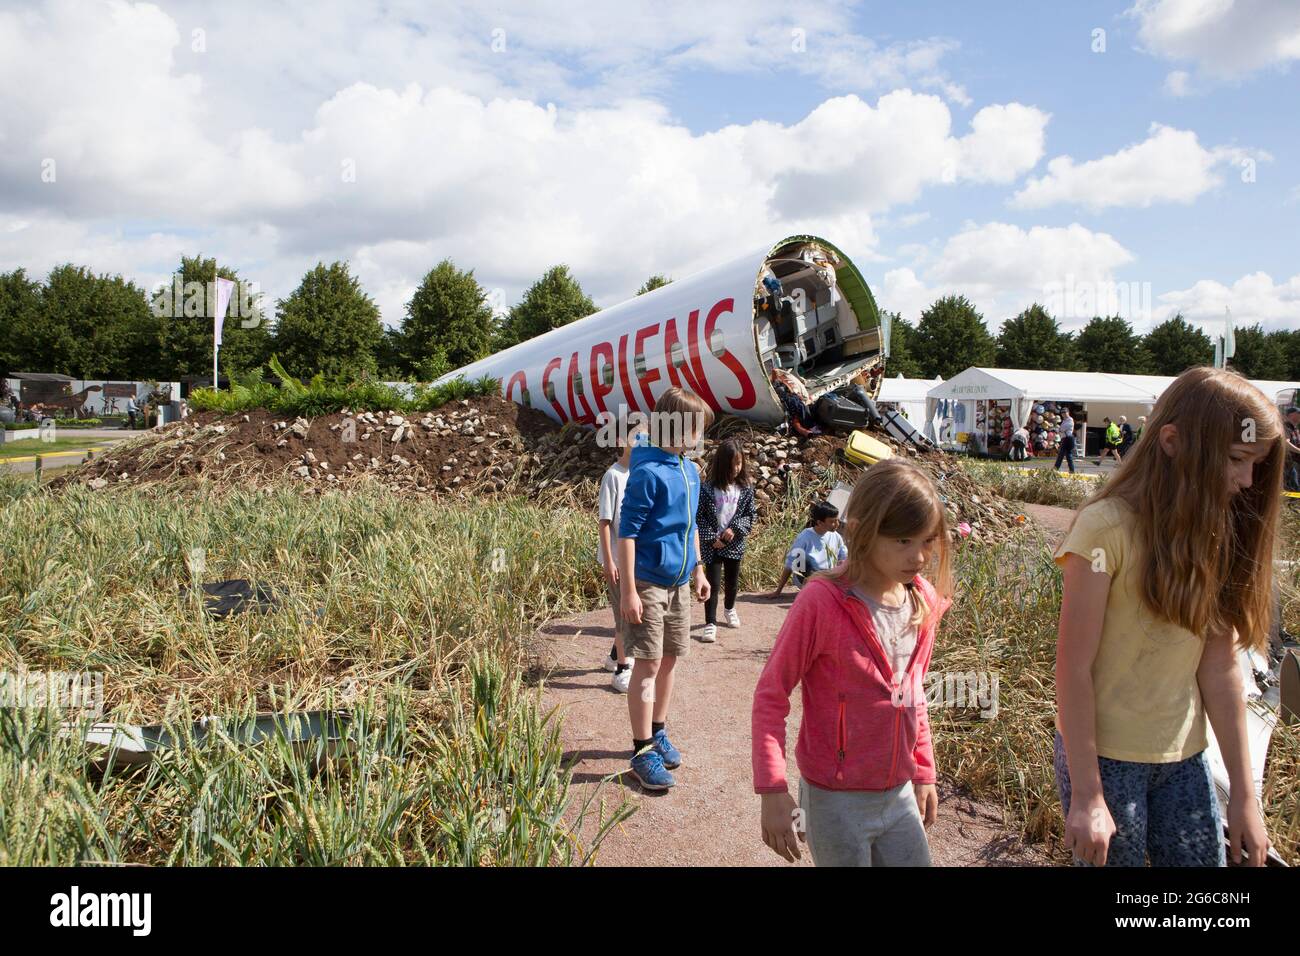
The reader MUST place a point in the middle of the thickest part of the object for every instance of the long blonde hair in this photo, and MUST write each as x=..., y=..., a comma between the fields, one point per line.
x=1208, y=562
x=895, y=499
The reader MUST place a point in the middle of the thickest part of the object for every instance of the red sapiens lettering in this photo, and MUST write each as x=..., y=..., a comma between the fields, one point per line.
x=598, y=387
x=651, y=374
x=696, y=382
x=746, y=397
x=585, y=415
x=628, y=395
x=521, y=380
x=551, y=366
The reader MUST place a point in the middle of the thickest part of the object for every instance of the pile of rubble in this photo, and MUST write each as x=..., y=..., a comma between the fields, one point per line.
x=486, y=446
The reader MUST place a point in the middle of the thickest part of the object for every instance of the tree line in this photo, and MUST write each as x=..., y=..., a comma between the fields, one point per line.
x=951, y=335
x=99, y=326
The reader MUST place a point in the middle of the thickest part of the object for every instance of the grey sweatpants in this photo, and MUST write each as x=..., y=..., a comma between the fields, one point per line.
x=864, y=827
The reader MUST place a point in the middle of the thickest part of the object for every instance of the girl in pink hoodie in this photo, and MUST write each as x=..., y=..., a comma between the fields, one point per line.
x=858, y=640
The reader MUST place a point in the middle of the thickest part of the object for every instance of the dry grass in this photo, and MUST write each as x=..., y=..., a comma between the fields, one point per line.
x=410, y=614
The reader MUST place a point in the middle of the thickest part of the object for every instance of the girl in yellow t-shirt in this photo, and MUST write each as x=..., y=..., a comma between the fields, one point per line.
x=1168, y=572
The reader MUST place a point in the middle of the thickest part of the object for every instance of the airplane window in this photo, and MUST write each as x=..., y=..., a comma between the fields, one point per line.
x=677, y=357
x=577, y=383
x=549, y=389
x=638, y=363
x=716, y=344
x=607, y=374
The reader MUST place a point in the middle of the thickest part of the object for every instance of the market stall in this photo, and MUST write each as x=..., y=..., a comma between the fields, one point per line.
x=981, y=407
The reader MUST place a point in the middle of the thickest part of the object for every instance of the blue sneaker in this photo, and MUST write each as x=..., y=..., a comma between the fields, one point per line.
x=648, y=768
x=671, y=755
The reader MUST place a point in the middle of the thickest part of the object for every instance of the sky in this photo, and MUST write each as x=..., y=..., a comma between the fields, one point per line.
x=1140, y=158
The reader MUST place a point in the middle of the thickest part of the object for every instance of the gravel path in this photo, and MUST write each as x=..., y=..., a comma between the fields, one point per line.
x=711, y=817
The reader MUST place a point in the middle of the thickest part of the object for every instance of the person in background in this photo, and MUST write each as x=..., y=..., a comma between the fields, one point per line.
x=131, y=411
x=725, y=518
x=817, y=547
x=798, y=414
x=1110, y=443
x=1293, y=448
x=612, y=486
x=1066, y=451
x=1126, y=438
x=1137, y=434
x=1019, y=444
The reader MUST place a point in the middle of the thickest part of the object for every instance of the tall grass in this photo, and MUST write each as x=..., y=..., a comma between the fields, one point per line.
x=1040, y=486
x=412, y=615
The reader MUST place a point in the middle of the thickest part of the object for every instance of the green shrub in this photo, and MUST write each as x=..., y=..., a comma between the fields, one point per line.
x=319, y=397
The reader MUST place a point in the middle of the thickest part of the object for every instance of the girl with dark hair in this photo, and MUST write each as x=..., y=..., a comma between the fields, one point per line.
x=725, y=518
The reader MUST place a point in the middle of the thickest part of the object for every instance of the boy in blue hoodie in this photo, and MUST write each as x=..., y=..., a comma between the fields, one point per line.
x=658, y=555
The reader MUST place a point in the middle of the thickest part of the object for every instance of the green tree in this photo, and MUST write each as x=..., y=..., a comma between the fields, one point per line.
x=20, y=316
x=448, y=321
x=656, y=281
x=1033, y=339
x=902, y=341
x=92, y=326
x=554, y=300
x=1176, y=345
x=951, y=336
x=185, y=309
x=1292, y=340
x=328, y=324
x=1109, y=344
x=1260, y=354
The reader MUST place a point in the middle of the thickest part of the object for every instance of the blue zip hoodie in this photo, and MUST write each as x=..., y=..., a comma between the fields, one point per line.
x=658, y=512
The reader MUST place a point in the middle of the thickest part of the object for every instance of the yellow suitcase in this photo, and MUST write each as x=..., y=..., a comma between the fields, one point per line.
x=862, y=449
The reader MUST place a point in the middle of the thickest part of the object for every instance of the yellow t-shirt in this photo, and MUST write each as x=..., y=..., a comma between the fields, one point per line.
x=1144, y=676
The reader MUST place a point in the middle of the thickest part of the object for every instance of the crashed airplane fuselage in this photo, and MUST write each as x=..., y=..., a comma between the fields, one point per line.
x=799, y=305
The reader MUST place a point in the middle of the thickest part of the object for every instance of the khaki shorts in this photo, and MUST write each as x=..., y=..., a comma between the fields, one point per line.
x=616, y=605
x=665, y=628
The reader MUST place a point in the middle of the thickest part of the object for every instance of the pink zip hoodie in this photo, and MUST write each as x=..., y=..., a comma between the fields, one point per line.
x=863, y=727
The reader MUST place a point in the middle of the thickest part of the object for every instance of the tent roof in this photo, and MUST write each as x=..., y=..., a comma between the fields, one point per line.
x=41, y=377
x=1006, y=383
x=906, y=389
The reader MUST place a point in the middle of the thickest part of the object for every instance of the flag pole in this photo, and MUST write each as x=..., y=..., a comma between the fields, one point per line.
x=216, y=342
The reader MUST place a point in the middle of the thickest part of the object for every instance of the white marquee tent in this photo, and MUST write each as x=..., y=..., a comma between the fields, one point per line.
x=1104, y=394
x=909, y=395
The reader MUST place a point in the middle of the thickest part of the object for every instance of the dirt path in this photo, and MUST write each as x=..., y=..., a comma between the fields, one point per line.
x=1053, y=520
x=711, y=817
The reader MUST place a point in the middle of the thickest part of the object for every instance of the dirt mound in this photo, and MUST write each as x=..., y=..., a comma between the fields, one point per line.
x=483, y=446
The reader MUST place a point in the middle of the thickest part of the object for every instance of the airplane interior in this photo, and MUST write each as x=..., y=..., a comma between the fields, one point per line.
x=805, y=324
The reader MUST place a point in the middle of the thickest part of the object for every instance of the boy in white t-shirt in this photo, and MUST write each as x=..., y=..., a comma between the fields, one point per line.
x=612, y=486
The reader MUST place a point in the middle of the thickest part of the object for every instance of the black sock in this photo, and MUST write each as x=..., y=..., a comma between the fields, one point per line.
x=622, y=667
x=656, y=726
x=613, y=652
x=640, y=745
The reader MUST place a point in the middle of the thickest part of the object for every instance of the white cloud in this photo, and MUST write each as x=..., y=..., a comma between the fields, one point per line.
x=1003, y=268
x=1177, y=83
x=1170, y=165
x=1253, y=298
x=1224, y=38
x=502, y=183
